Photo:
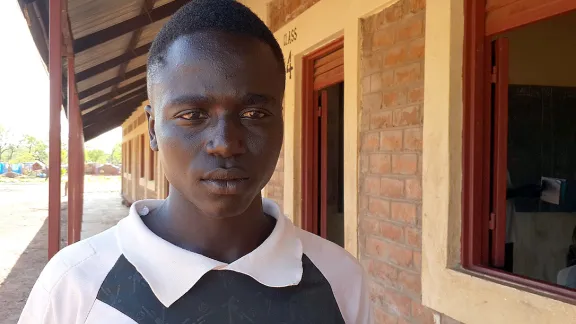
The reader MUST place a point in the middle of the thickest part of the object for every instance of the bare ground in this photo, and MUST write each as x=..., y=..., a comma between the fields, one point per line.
x=24, y=228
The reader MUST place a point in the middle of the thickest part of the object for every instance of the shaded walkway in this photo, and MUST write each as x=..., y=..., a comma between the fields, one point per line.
x=24, y=229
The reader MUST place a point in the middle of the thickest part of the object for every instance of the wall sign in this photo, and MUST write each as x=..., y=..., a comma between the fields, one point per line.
x=290, y=37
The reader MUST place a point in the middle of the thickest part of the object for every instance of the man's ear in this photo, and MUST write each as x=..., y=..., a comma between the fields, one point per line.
x=151, y=130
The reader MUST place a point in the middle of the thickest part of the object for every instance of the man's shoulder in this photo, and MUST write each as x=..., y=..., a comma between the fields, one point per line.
x=82, y=262
x=325, y=254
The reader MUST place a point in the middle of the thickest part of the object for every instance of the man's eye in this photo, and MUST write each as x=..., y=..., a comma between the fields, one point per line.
x=253, y=114
x=194, y=115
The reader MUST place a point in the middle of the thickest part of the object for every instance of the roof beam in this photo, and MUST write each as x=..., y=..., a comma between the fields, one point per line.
x=146, y=9
x=109, y=83
x=104, y=66
x=111, y=95
x=112, y=109
x=104, y=35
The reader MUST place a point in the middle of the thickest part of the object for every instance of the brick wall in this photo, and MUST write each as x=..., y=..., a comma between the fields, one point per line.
x=390, y=198
x=281, y=12
x=390, y=160
x=275, y=187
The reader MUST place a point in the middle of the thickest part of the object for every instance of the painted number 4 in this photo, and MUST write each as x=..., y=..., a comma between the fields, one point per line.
x=289, y=66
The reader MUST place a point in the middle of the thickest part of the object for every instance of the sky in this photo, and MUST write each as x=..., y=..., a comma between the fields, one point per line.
x=24, y=87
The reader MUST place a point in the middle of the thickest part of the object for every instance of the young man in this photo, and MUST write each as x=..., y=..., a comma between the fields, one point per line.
x=213, y=252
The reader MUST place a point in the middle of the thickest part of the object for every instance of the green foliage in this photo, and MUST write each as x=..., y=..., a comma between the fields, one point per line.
x=116, y=155
x=97, y=156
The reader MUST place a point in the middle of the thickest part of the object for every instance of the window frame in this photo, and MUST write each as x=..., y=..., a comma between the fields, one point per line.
x=477, y=144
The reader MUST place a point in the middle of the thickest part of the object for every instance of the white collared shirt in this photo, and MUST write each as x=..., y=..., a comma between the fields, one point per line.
x=127, y=274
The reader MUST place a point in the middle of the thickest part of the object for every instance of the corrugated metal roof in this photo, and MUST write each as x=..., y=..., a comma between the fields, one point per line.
x=111, y=39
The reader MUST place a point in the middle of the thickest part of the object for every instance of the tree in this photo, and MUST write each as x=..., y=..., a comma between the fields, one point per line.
x=96, y=156
x=8, y=144
x=116, y=155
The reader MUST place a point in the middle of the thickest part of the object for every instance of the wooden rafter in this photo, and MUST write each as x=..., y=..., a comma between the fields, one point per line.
x=104, y=66
x=147, y=7
x=127, y=26
x=141, y=83
x=109, y=83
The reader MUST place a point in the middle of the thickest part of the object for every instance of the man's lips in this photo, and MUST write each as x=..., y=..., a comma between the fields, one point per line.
x=221, y=174
x=226, y=181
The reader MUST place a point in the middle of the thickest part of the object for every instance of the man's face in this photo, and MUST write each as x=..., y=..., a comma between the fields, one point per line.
x=216, y=119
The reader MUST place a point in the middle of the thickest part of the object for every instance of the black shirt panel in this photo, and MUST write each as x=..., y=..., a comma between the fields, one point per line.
x=223, y=296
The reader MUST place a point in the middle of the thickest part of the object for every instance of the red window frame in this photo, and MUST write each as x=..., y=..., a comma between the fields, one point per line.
x=484, y=144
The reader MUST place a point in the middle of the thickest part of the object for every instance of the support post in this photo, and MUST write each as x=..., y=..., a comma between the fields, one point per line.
x=75, y=158
x=55, y=72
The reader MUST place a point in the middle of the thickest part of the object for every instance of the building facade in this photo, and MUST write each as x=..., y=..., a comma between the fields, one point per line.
x=393, y=147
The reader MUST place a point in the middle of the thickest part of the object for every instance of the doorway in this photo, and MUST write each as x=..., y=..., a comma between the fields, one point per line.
x=323, y=143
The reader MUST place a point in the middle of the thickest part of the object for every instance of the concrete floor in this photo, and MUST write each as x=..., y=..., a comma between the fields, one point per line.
x=23, y=232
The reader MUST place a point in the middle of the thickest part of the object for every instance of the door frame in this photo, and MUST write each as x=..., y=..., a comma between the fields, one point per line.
x=309, y=130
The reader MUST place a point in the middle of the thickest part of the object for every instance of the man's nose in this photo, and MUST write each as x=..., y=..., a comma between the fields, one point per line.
x=227, y=138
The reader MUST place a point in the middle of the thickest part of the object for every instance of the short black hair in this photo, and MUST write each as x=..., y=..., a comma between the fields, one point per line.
x=210, y=15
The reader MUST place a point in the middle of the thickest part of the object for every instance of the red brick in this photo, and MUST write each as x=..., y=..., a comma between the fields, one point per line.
x=382, y=39
x=392, y=232
x=375, y=82
x=370, y=142
x=395, y=56
x=363, y=201
x=415, y=50
x=376, y=248
x=413, y=237
x=391, y=140
x=417, y=5
x=381, y=120
x=393, y=13
x=415, y=95
x=366, y=85
x=392, y=188
x=410, y=282
x=393, y=99
x=412, y=139
x=408, y=116
x=370, y=226
x=372, y=101
x=417, y=260
x=380, y=163
x=398, y=303
x=403, y=212
x=387, y=78
x=379, y=207
x=364, y=163
x=422, y=314
x=371, y=64
x=413, y=189
x=408, y=74
x=404, y=164
x=381, y=317
x=411, y=29
x=372, y=185
x=399, y=255
x=382, y=271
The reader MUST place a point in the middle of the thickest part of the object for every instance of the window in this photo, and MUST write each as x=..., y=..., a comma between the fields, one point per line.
x=142, y=156
x=519, y=191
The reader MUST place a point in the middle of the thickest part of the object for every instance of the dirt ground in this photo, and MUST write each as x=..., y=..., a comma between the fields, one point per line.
x=23, y=232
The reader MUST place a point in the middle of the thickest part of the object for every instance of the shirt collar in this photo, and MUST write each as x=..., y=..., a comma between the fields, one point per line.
x=171, y=271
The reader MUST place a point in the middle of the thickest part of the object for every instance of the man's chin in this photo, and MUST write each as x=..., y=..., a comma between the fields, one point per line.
x=224, y=206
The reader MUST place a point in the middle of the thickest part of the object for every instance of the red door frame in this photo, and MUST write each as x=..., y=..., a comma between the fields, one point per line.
x=310, y=185
x=476, y=144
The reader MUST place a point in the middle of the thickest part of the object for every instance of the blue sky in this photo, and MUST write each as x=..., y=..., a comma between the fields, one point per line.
x=24, y=82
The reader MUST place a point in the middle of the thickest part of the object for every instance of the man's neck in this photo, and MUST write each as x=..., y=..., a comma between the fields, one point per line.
x=224, y=239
